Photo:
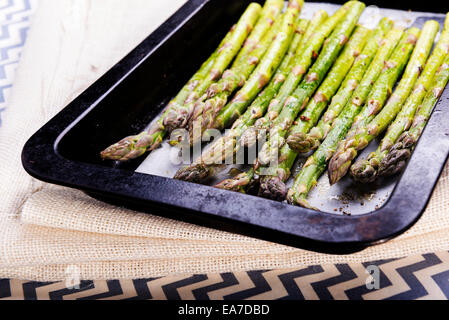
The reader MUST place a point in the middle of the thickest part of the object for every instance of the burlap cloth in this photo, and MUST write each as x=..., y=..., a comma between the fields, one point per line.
x=45, y=229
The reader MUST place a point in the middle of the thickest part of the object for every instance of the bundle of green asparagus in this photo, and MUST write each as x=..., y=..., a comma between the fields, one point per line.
x=302, y=62
x=330, y=52
x=373, y=125
x=205, y=166
x=226, y=145
x=273, y=185
x=365, y=171
x=324, y=85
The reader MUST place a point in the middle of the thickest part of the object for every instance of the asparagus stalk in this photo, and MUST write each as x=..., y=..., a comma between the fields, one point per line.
x=365, y=170
x=299, y=99
x=214, y=155
x=269, y=13
x=178, y=118
x=399, y=154
x=220, y=91
x=260, y=105
x=367, y=133
x=205, y=117
x=331, y=84
x=316, y=164
x=304, y=143
x=346, y=152
x=233, y=76
x=272, y=185
x=321, y=30
x=134, y=146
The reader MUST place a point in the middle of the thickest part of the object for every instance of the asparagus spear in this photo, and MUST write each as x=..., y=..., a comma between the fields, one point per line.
x=365, y=170
x=240, y=183
x=232, y=79
x=205, y=165
x=304, y=143
x=342, y=159
x=260, y=105
x=204, y=118
x=316, y=164
x=135, y=146
x=367, y=133
x=399, y=154
x=321, y=30
x=299, y=99
x=272, y=185
x=332, y=82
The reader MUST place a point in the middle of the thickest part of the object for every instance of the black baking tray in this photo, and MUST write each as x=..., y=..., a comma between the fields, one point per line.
x=129, y=96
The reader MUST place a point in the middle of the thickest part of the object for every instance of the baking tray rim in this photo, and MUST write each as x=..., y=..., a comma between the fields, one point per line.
x=41, y=160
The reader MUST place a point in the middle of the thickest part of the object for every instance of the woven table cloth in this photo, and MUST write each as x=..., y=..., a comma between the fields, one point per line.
x=50, y=235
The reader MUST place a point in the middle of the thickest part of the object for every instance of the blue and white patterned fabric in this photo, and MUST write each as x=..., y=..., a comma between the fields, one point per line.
x=15, y=20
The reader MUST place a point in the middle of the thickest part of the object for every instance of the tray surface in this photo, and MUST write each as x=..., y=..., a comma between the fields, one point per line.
x=117, y=106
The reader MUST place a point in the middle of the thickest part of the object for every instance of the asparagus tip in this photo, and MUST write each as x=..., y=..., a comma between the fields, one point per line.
x=273, y=188
x=339, y=165
x=302, y=143
x=127, y=149
x=176, y=119
x=362, y=171
x=237, y=184
x=194, y=173
x=398, y=156
x=394, y=162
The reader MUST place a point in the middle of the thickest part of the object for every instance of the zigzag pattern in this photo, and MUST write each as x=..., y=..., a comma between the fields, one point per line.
x=15, y=9
x=15, y=19
x=419, y=277
x=13, y=35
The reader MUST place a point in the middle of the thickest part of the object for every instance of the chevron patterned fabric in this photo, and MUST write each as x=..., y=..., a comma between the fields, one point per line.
x=414, y=278
x=15, y=20
x=417, y=277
